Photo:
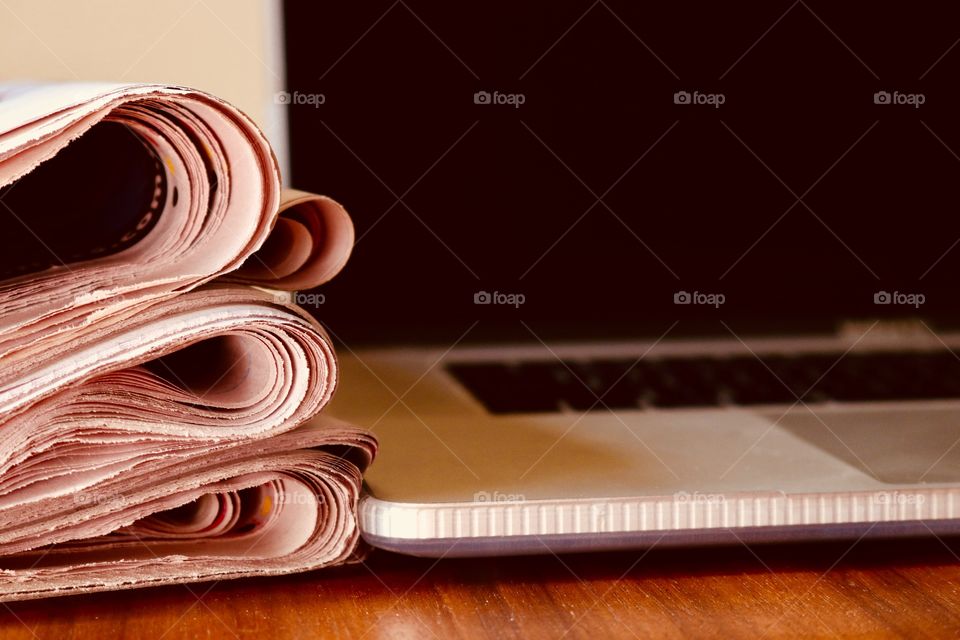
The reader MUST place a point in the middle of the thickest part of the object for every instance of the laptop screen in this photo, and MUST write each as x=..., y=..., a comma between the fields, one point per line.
x=588, y=171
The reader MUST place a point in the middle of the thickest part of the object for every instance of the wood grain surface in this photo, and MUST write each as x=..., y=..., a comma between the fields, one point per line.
x=906, y=589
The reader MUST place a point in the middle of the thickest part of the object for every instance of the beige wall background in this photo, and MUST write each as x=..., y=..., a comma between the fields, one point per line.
x=231, y=48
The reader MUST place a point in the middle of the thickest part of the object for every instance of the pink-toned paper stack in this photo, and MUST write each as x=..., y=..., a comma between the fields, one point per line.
x=159, y=393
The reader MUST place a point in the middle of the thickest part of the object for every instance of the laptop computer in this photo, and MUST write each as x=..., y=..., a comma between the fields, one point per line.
x=628, y=275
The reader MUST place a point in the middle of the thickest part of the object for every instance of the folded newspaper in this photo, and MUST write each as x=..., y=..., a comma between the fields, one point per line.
x=159, y=393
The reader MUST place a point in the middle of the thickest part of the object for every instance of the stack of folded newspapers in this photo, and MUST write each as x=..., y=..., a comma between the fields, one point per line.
x=159, y=393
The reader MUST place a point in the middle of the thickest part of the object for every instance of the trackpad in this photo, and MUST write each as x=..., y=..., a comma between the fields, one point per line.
x=898, y=446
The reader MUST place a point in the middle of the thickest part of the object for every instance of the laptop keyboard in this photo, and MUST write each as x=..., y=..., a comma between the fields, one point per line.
x=551, y=385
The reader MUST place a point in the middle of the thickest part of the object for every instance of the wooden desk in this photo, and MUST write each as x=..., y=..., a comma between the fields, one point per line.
x=906, y=589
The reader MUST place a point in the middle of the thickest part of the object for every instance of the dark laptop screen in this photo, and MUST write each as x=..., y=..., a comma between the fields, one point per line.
x=609, y=168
